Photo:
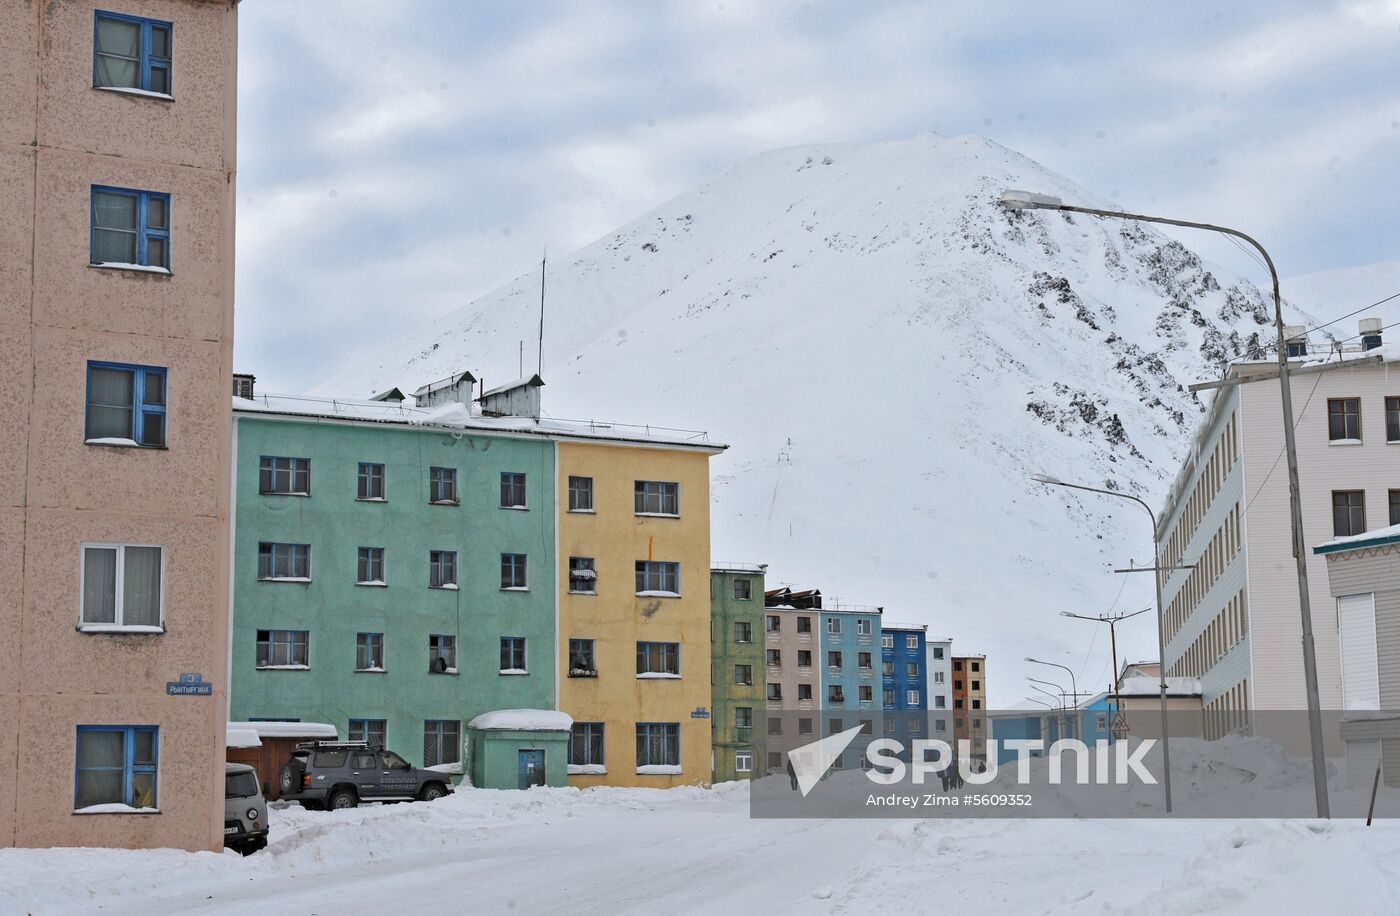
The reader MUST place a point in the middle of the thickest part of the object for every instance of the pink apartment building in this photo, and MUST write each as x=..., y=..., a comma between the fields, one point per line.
x=117, y=125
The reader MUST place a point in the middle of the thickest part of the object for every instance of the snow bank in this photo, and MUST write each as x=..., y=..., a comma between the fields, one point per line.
x=539, y=720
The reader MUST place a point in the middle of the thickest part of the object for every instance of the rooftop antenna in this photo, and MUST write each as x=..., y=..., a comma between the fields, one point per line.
x=539, y=365
x=522, y=357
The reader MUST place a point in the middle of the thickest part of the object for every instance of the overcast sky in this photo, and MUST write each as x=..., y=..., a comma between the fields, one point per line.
x=398, y=159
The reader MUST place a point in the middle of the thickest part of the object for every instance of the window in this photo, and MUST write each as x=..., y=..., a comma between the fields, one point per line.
x=282, y=649
x=863, y=660
x=513, y=655
x=938, y=652
x=369, y=652
x=975, y=685
x=284, y=561
x=938, y=677
x=775, y=623
x=743, y=675
x=512, y=490
x=125, y=405
x=130, y=229
x=743, y=761
x=833, y=626
x=911, y=642
x=957, y=702
x=775, y=691
x=775, y=658
x=284, y=476
x=833, y=659
x=957, y=663
x=1343, y=419
x=867, y=693
x=371, y=566
x=442, y=569
x=957, y=684
x=1348, y=512
x=867, y=727
x=804, y=726
x=658, y=744
x=863, y=627
x=657, y=577
x=1392, y=419
x=442, y=486
x=804, y=691
x=116, y=765
x=442, y=742
x=657, y=497
x=1395, y=507
x=804, y=658
x=775, y=761
x=583, y=577
x=889, y=698
x=912, y=698
x=370, y=482
x=804, y=624
x=976, y=666
x=887, y=641
x=743, y=722
x=976, y=704
x=513, y=571
x=374, y=732
x=442, y=654
x=121, y=586
x=580, y=494
x=659, y=658
x=887, y=669
x=586, y=745
x=912, y=670
x=915, y=726
x=835, y=694
x=940, y=702
x=743, y=590
x=129, y=52
x=940, y=725
x=581, y=659
x=889, y=720
x=743, y=631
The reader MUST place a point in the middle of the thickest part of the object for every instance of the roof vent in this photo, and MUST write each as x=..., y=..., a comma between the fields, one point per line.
x=1296, y=336
x=393, y=396
x=1370, y=330
x=520, y=398
x=456, y=387
x=243, y=385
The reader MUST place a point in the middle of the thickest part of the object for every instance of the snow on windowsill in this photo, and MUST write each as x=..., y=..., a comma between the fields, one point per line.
x=517, y=508
x=515, y=588
x=286, y=579
x=659, y=769
x=587, y=769
x=658, y=676
x=514, y=671
x=139, y=268
x=373, y=670
x=584, y=512
x=284, y=667
x=1344, y=442
x=657, y=514
x=657, y=594
x=113, y=440
x=444, y=502
x=451, y=769
x=115, y=808
x=374, y=583
x=118, y=628
x=449, y=587
x=144, y=93
x=573, y=592
x=370, y=499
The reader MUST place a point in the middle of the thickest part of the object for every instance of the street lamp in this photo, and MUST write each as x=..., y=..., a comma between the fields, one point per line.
x=1112, y=621
x=1059, y=706
x=1073, y=684
x=1026, y=200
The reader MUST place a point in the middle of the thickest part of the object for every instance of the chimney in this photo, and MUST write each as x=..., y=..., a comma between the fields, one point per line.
x=1370, y=329
x=243, y=385
x=1296, y=336
x=456, y=387
x=520, y=398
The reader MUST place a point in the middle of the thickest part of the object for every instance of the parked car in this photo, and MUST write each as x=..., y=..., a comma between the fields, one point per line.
x=341, y=774
x=245, y=809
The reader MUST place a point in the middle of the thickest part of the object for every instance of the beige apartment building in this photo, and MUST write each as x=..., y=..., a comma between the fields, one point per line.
x=1233, y=621
x=117, y=125
x=970, y=722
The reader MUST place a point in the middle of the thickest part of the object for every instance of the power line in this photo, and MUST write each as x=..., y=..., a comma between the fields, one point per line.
x=1301, y=414
x=1357, y=312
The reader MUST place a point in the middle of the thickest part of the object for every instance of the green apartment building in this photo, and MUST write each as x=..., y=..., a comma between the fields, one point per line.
x=736, y=634
x=394, y=574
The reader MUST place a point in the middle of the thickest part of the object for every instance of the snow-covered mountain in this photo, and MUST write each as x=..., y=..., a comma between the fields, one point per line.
x=891, y=355
x=1335, y=292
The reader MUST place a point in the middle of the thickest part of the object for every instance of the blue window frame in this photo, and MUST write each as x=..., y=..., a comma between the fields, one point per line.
x=125, y=402
x=284, y=561
x=370, y=569
x=369, y=652
x=131, y=52
x=116, y=765
x=284, y=476
x=658, y=744
x=130, y=227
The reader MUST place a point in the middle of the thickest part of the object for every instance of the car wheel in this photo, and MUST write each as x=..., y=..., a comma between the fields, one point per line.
x=289, y=778
x=432, y=792
x=342, y=798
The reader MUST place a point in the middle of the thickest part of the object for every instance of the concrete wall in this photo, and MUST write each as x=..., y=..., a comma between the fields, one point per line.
x=495, y=756
x=790, y=675
x=335, y=609
x=616, y=618
x=726, y=652
x=58, y=137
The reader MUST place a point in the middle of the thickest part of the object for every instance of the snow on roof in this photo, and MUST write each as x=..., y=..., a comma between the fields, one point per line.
x=284, y=730
x=1388, y=535
x=532, y=380
x=921, y=627
x=393, y=394
x=241, y=735
x=523, y=720
x=455, y=415
x=448, y=382
x=1151, y=687
x=716, y=566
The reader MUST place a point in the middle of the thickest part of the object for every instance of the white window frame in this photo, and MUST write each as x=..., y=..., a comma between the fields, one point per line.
x=911, y=697
x=571, y=489
x=833, y=626
x=911, y=642
x=887, y=641
x=863, y=627
x=743, y=761
x=118, y=626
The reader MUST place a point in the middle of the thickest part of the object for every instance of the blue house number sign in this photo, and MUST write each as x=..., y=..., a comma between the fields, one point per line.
x=189, y=685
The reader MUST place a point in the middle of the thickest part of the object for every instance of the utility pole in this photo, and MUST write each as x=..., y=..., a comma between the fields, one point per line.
x=1112, y=621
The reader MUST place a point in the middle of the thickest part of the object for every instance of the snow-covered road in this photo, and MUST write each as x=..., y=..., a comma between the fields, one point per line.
x=613, y=851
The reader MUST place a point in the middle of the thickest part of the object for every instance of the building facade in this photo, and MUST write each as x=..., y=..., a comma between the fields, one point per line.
x=903, y=667
x=1233, y=620
x=737, y=649
x=938, y=660
x=970, y=703
x=634, y=609
x=117, y=149
x=791, y=674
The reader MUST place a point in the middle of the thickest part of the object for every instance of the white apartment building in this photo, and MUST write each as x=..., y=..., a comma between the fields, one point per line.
x=938, y=655
x=1233, y=620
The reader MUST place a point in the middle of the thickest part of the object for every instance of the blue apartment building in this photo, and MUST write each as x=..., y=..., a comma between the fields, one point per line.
x=903, y=670
x=850, y=649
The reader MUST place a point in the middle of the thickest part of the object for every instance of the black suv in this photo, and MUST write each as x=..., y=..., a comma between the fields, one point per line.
x=341, y=774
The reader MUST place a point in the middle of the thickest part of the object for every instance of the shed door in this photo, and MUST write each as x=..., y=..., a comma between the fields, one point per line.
x=531, y=769
x=1356, y=626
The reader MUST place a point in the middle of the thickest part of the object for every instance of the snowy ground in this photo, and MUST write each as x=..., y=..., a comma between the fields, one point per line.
x=696, y=850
